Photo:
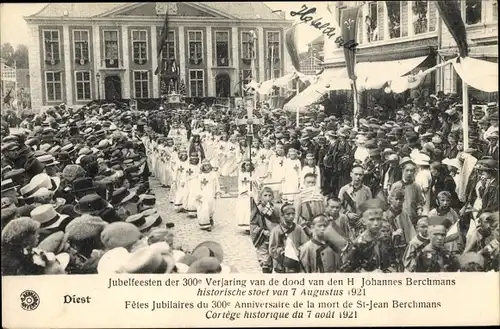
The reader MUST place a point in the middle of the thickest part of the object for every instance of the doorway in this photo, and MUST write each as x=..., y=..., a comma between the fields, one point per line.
x=223, y=85
x=112, y=87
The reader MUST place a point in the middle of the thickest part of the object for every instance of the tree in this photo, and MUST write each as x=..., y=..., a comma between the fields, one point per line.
x=20, y=55
x=7, y=52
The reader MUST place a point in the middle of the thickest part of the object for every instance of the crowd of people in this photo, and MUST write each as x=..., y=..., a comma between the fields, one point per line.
x=397, y=193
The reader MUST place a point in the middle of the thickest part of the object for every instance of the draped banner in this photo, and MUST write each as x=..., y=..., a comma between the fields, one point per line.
x=291, y=46
x=349, y=24
x=449, y=11
x=161, y=41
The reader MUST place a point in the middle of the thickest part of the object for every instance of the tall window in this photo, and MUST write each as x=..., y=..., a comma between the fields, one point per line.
x=52, y=51
x=273, y=47
x=169, y=47
x=111, y=48
x=394, y=18
x=140, y=46
x=222, y=48
x=141, y=84
x=247, y=45
x=53, y=86
x=420, y=9
x=82, y=83
x=195, y=41
x=473, y=10
x=81, y=46
x=196, y=83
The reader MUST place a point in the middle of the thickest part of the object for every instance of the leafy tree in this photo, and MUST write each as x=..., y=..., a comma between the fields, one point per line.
x=19, y=55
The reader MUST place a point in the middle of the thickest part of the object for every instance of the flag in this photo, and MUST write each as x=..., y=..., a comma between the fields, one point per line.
x=449, y=10
x=348, y=20
x=161, y=41
x=8, y=97
x=291, y=46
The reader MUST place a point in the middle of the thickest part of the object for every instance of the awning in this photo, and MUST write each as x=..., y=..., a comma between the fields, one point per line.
x=305, y=98
x=482, y=75
x=373, y=75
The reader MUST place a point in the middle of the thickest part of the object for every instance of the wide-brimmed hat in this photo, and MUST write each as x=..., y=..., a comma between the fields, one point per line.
x=214, y=250
x=205, y=265
x=70, y=148
x=9, y=188
x=452, y=162
x=17, y=176
x=91, y=204
x=44, y=180
x=33, y=166
x=487, y=165
x=54, y=243
x=48, y=160
x=113, y=260
x=47, y=216
x=146, y=261
x=83, y=184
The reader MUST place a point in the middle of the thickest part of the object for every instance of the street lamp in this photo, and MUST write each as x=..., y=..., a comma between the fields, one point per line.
x=98, y=77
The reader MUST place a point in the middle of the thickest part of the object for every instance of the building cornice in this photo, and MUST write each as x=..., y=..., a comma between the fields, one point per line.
x=159, y=20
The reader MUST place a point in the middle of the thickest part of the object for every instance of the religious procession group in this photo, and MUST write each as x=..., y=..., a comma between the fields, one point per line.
x=399, y=193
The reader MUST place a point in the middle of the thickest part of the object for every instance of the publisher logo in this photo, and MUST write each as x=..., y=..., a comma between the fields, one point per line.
x=29, y=300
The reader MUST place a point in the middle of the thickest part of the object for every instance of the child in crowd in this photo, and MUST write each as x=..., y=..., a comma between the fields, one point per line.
x=284, y=242
x=453, y=242
x=316, y=256
x=264, y=218
x=416, y=244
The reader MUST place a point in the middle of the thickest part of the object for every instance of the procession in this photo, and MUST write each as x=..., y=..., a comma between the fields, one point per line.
x=107, y=187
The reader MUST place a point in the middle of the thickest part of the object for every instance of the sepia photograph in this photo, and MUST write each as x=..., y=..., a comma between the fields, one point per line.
x=249, y=137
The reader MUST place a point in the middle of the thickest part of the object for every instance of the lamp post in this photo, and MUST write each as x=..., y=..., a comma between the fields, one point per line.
x=98, y=78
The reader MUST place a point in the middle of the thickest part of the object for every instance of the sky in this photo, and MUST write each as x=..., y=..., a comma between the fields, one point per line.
x=15, y=30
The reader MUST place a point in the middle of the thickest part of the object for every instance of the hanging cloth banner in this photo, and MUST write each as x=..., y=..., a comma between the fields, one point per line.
x=349, y=32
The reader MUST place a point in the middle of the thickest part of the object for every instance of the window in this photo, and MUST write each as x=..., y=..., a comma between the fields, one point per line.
x=141, y=84
x=247, y=45
x=83, y=88
x=81, y=46
x=168, y=48
x=111, y=48
x=51, y=42
x=140, y=46
x=222, y=48
x=196, y=83
x=195, y=41
x=53, y=85
x=473, y=12
x=420, y=9
x=394, y=18
x=273, y=47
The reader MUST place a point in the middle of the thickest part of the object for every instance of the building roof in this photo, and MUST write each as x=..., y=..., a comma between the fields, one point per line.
x=240, y=10
x=77, y=9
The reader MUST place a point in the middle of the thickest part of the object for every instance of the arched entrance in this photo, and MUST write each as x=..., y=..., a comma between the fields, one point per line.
x=222, y=85
x=112, y=87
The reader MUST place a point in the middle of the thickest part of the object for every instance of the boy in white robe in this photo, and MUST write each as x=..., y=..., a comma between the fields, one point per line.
x=180, y=174
x=310, y=167
x=291, y=173
x=193, y=171
x=208, y=192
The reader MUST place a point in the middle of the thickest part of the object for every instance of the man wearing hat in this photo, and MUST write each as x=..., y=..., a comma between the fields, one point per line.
x=435, y=257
